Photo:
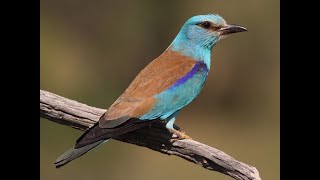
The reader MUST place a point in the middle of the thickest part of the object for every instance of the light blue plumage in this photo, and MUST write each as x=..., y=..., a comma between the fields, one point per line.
x=195, y=41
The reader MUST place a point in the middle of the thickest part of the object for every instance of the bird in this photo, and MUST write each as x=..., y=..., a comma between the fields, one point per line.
x=166, y=85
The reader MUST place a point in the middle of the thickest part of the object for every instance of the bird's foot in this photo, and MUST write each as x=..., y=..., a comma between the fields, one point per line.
x=178, y=135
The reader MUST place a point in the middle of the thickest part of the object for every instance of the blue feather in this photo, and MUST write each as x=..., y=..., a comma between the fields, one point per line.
x=196, y=42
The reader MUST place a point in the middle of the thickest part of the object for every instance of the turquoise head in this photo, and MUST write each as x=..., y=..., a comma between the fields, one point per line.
x=200, y=33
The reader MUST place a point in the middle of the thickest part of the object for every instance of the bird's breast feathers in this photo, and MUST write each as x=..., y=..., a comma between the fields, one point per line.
x=168, y=82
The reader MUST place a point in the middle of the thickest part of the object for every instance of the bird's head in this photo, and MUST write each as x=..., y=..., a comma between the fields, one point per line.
x=200, y=33
x=205, y=31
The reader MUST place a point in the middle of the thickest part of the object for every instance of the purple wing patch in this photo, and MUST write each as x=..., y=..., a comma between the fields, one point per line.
x=199, y=66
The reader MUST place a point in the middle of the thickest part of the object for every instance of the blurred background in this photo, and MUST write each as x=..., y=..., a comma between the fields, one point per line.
x=91, y=51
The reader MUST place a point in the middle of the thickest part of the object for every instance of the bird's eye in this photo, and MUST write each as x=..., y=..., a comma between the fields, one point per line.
x=205, y=25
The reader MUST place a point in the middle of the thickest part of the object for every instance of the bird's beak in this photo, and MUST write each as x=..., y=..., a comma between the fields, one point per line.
x=231, y=28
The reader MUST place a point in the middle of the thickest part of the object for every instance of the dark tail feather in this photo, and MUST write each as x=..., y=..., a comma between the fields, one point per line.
x=95, y=136
x=74, y=153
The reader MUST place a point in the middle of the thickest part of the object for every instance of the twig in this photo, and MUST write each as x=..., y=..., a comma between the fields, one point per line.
x=80, y=116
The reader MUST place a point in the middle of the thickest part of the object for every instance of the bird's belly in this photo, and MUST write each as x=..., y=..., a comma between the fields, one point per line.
x=177, y=96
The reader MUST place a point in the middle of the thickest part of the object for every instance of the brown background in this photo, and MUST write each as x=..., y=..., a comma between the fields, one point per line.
x=92, y=50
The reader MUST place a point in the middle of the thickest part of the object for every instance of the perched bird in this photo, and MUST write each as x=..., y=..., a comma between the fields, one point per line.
x=162, y=88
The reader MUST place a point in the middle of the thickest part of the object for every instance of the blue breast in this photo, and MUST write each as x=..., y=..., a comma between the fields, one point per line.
x=180, y=94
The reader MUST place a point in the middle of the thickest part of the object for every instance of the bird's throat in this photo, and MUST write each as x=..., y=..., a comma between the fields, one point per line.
x=196, y=52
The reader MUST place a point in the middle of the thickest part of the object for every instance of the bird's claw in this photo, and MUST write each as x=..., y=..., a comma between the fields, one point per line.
x=178, y=135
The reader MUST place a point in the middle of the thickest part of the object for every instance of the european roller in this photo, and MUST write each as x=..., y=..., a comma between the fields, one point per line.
x=162, y=88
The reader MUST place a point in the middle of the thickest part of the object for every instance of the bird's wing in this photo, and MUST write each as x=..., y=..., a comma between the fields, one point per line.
x=138, y=98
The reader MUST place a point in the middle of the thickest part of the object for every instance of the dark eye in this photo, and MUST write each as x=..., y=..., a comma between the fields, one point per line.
x=205, y=25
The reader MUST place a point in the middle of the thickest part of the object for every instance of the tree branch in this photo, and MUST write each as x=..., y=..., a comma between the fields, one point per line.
x=156, y=137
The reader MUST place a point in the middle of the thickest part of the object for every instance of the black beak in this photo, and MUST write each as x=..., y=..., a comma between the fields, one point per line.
x=231, y=28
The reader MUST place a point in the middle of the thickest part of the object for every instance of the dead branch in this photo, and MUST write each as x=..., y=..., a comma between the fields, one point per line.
x=80, y=116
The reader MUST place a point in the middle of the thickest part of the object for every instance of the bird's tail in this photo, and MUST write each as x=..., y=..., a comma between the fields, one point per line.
x=95, y=136
x=74, y=153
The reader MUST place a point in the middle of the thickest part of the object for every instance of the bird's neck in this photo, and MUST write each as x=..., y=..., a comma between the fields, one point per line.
x=193, y=50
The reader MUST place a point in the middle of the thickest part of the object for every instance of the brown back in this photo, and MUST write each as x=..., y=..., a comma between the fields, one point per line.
x=155, y=78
